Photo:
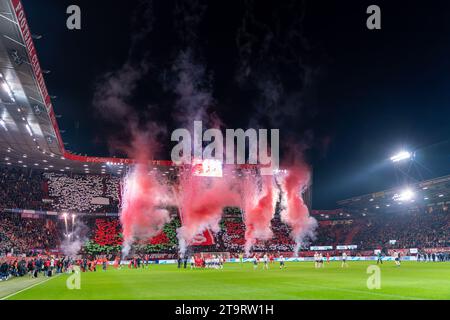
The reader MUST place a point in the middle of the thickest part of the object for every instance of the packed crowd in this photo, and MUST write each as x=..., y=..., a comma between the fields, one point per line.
x=24, y=236
x=335, y=232
x=21, y=189
x=409, y=230
x=34, y=190
x=416, y=230
x=232, y=237
x=419, y=229
x=26, y=189
x=83, y=193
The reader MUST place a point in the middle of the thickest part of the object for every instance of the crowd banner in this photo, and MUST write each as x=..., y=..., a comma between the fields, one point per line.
x=320, y=248
x=347, y=247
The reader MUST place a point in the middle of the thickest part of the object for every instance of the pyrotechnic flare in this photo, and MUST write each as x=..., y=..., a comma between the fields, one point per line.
x=72, y=243
x=295, y=212
x=73, y=222
x=65, y=223
x=258, y=203
x=142, y=216
x=201, y=201
x=144, y=196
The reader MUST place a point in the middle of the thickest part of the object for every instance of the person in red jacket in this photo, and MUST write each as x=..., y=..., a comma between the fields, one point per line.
x=46, y=267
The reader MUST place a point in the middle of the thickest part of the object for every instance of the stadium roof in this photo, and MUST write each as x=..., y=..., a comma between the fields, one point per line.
x=29, y=133
x=425, y=193
x=28, y=121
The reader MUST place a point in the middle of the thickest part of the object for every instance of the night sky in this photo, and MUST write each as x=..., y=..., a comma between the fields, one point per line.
x=351, y=96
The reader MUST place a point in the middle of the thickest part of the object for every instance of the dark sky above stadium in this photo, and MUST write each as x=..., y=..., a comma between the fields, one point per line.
x=351, y=96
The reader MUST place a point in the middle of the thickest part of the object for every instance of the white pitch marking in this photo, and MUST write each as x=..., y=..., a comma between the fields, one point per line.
x=24, y=289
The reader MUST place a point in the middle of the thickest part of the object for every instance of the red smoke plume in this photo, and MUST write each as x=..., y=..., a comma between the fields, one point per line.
x=142, y=214
x=296, y=213
x=201, y=201
x=258, y=205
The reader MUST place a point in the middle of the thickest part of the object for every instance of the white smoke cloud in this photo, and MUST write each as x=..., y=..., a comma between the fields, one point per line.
x=74, y=241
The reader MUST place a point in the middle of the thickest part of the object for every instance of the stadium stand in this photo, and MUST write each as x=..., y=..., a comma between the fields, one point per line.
x=21, y=189
x=92, y=197
x=410, y=230
x=107, y=232
x=35, y=190
x=429, y=231
x=23, y=236
x=83, y=193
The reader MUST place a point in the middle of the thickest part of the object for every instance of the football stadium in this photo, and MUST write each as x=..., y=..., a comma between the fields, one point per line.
x=133, y=221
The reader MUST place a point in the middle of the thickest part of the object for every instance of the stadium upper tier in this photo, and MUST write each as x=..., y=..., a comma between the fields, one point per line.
x=37, y=189
x=427, y=193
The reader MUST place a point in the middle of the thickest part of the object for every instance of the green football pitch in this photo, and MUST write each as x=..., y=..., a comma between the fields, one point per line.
x=300, y=280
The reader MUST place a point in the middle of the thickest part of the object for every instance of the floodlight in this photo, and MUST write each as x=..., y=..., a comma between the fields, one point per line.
x=405, y=195
x=402, y=155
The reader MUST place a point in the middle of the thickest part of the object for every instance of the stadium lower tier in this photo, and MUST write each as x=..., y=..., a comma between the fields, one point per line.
x=33, y=234
x=93, y=197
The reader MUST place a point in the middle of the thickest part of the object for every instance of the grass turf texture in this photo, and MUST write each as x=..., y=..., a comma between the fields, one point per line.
x=300, y=280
